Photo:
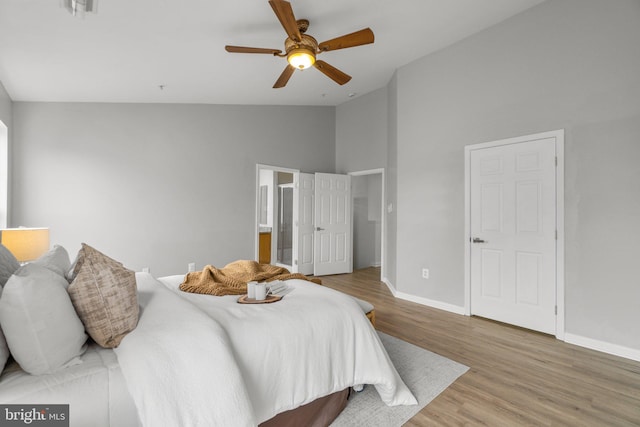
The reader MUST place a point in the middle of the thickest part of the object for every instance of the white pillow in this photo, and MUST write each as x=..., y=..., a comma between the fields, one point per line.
x=56, y=260
x=39, y=322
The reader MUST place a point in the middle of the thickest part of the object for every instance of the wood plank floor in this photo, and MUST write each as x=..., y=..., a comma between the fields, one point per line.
x=516, y=378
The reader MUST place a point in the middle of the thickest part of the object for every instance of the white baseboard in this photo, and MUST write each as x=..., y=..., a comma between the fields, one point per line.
x=603, y=346
x=390, y=286
x=423, y=301
x=431, y=303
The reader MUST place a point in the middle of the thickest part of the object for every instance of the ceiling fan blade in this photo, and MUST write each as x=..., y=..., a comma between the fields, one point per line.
x=332, y=72
x=284, y=12
x=243, y=49
x=348, y=40
x=284, y=77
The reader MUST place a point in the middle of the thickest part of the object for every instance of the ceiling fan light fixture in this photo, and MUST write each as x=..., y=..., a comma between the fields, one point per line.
x=301, y=58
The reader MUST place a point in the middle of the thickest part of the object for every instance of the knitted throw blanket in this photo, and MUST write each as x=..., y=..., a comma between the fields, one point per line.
x=232, y=278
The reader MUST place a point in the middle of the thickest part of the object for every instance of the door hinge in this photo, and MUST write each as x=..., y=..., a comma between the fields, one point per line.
x=556, y=310
x=556, y=161
x=556, y=234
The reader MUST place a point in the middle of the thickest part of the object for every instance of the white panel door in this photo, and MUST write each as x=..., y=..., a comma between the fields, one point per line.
x=303, y=199
x=513, y=232
x=332, y=239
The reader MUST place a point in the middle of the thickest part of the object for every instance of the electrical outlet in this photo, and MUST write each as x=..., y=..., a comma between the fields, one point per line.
x=146, y=270
x=425, y=273
x=191, y=266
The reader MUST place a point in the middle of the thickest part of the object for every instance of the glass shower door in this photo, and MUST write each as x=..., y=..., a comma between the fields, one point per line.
x=285, y=225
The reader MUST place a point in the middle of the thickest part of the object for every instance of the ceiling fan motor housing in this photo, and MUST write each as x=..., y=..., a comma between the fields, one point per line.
x=307, y=42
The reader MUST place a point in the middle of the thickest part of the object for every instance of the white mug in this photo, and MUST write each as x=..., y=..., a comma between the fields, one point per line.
x=261, y=291
x=251, y=289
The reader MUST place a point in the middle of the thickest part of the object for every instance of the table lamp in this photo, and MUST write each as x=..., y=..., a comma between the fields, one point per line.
x=26, y=244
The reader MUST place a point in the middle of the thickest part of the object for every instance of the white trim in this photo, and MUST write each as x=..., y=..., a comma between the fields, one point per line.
x=559, y=137
x=4, y=175
x=367, y=172
x=259, y=167
x=392, y=288
x=383, y=216
x=467, y=231
x=560, y=303
x=603, y=346
x=431, y=303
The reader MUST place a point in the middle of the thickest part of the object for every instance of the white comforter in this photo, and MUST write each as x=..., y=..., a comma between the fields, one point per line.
x=243, y=364
x=179, y=366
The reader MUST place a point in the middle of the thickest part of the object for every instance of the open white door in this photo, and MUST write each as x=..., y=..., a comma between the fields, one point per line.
x=332, y=237
x=303, y=206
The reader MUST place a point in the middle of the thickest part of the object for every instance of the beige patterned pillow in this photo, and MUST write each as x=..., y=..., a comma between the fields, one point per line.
x=105, y=296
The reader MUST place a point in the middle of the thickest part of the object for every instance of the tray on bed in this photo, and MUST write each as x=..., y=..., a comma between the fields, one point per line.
x=244, y=299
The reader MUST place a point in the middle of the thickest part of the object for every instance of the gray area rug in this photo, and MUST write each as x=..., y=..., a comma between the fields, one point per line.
x=425, y=373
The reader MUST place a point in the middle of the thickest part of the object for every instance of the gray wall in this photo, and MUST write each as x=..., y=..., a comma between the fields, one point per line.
x=391, y=190
x=572, y=64
x=361, y=133
x=157, y=185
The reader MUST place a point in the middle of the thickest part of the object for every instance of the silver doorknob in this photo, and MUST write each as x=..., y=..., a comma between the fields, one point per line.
x=478, y=240
x=319, y=229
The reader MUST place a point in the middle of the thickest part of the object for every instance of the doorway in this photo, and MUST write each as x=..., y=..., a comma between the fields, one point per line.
x=302, y=226
x=368, y=219
x=514, y=193
x=274, y=223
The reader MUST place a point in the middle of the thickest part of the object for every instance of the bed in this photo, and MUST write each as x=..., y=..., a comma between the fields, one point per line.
x=200, y=360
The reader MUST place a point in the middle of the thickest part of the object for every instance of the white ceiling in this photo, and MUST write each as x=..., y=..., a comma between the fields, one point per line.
x=125, y=51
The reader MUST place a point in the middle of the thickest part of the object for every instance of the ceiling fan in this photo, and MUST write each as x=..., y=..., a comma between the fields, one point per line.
x=301, y=49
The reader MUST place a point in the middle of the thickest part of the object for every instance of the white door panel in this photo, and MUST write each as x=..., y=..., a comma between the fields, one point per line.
x=332, y=237
x=513, y=221
x=304, y=200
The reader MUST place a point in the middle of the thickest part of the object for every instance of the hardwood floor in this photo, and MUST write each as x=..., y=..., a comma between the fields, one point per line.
x=516, y=378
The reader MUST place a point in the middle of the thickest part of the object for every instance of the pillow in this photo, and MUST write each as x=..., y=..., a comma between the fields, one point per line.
x=42, y=329
x=105, y=296
x=8, y=264
x=56, y=260
x=4, y=349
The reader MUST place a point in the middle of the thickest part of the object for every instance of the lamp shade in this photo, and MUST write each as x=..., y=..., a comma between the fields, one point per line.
x=26, y=244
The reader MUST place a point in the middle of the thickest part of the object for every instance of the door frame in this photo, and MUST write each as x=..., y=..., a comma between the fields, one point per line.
x=559, y=140
x=256, y=221
x=383, y=215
